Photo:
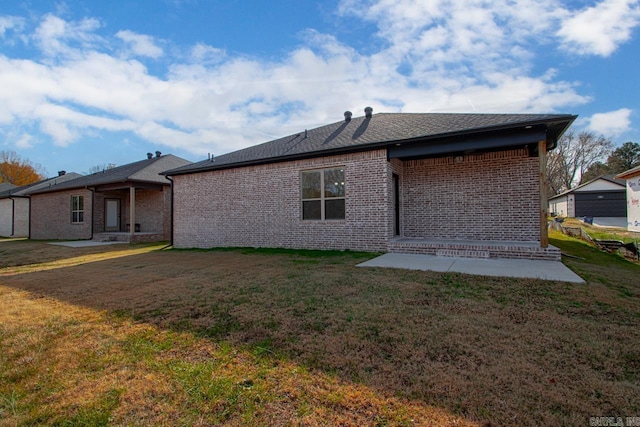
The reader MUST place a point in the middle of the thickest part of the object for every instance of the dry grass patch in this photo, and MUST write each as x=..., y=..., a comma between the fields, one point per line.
x=283, y=337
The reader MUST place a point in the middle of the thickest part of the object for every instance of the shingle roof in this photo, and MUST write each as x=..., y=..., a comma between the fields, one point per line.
x=608, y=177
x=143, y=171
x=363, y=133
x=5, y=186
x=40, y=185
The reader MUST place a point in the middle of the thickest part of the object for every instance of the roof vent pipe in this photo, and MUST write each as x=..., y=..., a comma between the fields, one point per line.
x=347, y=116
x=368, y=112
x=149, y=155
x=158, y=154
x=61, y=173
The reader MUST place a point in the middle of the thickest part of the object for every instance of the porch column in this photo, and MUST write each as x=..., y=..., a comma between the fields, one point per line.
x=544, y=202
x=132, y=210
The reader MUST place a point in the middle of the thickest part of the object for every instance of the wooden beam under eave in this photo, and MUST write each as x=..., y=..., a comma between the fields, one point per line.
x=132, y=210
x=544, y=201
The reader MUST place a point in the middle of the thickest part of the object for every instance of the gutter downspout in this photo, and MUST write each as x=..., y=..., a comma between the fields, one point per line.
x=13, y=215
x=171, y=214
x=29, y=232
x=93, y=202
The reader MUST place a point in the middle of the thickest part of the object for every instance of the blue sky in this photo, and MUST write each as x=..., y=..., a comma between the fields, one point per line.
x=86, y=83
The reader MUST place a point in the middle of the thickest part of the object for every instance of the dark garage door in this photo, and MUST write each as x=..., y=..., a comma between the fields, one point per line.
x=601, y=203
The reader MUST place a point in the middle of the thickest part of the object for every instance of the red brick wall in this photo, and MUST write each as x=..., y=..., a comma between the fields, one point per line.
x=492, y=196
x=51, y=216
x=260, y=206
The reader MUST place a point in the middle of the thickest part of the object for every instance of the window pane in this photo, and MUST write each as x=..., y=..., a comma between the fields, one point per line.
x=334, y=183
x=74, y=203
x=80, y=216
x=80, y=202
x=311, y=210
x=74, y=216
x=334, y=209
x=311, y=185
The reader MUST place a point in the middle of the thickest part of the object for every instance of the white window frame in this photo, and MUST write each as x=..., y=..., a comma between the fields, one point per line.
x=78, y=213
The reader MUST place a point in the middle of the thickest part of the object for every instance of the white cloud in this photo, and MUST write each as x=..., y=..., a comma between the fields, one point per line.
x=600, y=29
x=10, y=23
x=205, y=54
x=140, y=44
x=60, y=132
x=56, y=36
x=25, y=141
x=612, y=123
x=440, y=55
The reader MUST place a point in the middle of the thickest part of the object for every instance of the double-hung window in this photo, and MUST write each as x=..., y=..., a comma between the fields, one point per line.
x=323, y=194
x=77, y=209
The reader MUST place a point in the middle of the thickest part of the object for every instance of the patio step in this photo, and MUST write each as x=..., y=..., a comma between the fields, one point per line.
x=462, y=253
x=111, y=237
x=473, y=249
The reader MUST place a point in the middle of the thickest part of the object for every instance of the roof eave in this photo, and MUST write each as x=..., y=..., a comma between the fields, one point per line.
x=94, y=185
x=563, y=121
x=631, y=173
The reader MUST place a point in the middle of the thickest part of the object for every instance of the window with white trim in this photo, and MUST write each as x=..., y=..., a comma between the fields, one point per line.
x=323, y=194
x=77, y=209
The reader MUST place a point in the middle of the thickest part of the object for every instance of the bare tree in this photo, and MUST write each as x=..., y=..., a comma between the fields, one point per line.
x=575, y=153
x=100, y=168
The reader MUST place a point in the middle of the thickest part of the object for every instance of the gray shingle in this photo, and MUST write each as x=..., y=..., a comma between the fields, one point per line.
x=143, y=171
x=40, y=185
x=362, y=132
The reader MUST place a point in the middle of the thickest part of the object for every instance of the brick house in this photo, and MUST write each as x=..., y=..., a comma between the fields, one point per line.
x=447, y=184
x=103, y=205
x=632, y=177
x=14, y=204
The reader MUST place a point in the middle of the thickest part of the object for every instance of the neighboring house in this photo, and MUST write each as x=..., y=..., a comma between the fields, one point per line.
x=447, y=184
x=14, y=204
x=632, y=177
x=104, y=205
x=601, y=197
x=5, y=186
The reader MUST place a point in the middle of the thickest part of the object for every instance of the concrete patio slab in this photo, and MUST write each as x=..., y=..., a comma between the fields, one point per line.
x=501, y=267
x=85, y=243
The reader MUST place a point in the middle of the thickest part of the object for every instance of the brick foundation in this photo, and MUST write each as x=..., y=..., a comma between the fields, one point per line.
x=475, y=249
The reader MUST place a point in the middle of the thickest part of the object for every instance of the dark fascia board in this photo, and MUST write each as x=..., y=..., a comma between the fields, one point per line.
x=128, y=184
x=622, y=190
x=554, y=129
x=104, y=187
x=466, y=145
x=302, y=156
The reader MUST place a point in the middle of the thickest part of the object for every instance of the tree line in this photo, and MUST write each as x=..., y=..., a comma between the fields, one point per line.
x=583, y=156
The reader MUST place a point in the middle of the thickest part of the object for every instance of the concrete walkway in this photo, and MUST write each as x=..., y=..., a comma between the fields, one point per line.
x=545, y=270
x=85, y=243
x=614, y=222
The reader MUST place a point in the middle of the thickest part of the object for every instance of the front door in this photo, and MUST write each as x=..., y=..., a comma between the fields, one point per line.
x=112, y=215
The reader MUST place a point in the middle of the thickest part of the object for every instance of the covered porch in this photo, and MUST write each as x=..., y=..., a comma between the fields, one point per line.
x=484, y=198
x=130, y=212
